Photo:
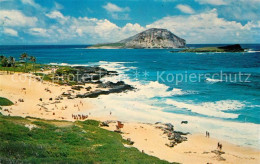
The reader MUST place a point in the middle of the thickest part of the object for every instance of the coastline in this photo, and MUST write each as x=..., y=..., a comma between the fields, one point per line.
x=150, y=140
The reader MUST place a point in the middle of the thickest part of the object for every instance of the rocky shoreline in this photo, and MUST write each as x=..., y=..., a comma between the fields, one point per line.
x=93, y=75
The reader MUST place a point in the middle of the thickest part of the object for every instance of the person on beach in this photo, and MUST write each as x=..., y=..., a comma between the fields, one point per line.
x=207, y=134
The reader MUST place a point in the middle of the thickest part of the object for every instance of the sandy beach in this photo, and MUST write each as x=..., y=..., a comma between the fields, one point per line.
x=43, y=100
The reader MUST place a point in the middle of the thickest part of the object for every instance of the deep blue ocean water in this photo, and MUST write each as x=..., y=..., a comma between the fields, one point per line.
x=236, y=99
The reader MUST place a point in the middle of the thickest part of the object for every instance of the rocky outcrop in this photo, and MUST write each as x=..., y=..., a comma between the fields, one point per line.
x=81, y=75
x=112, y=88
x=232, y=48
x=151, y=38
x=174, y=137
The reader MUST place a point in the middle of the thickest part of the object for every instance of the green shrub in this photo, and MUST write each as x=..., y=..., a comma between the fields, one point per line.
x=5, y=102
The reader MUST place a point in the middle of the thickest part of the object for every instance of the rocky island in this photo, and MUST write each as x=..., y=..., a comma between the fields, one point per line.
x=228, y=48
x=151, y=38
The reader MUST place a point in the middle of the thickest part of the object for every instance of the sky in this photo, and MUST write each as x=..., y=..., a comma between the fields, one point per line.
x=24, y=22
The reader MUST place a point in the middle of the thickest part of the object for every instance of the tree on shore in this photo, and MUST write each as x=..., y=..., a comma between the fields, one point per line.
x=4, y=62
x=24, y=57
x=12, y=62
x=33, y=59
x=1, y=57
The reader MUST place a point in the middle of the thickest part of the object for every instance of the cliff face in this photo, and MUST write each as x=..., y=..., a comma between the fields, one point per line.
x=154, y=38
x=151, y=38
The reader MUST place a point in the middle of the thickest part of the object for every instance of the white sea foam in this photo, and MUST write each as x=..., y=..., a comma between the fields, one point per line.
x=66, y=64
x=213, y=80
x=252, y=51
x=214, y=109
x=61, y=64
x=135, y=108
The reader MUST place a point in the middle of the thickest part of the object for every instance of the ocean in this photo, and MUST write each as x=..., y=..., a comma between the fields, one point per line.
x=217, y=92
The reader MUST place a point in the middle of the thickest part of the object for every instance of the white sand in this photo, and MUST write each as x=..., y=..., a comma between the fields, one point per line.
x=197, y=149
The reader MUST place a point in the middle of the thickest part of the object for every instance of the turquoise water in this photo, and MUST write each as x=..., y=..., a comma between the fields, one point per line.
x=235, y=100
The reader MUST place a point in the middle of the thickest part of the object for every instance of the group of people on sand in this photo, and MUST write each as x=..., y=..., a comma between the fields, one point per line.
x=79, y=117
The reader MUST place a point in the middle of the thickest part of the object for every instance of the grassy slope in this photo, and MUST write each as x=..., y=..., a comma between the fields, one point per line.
x=79, y=142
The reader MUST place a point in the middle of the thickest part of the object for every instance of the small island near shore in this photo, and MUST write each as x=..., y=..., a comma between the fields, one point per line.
x=228, y=48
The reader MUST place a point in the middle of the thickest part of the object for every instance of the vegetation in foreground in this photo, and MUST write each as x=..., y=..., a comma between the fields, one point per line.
x=30, y=140
x=5, y=102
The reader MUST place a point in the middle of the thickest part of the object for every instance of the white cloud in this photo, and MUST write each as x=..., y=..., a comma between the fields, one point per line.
x=38, y=32
x=208, y=27
x=185, y=9
x=58, y=16
x=110, y=7
x=116, y=12
x=213, y=2
x=55, y=14
x=58, y=6
x=121, y=16
x=32, y=3
x=16, y=18
x=10, y=31
x=241, y=10
x=83, y=29
x=133, y=27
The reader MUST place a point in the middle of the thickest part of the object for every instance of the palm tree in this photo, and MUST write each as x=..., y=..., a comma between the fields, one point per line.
x=12, y=62
x=25, y=56
x=33, y=59
x=4, y=62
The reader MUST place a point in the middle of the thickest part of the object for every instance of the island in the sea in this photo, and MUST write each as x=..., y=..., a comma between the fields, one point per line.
x=151, y=38
x=228, y=48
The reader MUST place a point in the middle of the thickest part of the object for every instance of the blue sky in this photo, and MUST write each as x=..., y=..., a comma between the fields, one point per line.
x=98, y=21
